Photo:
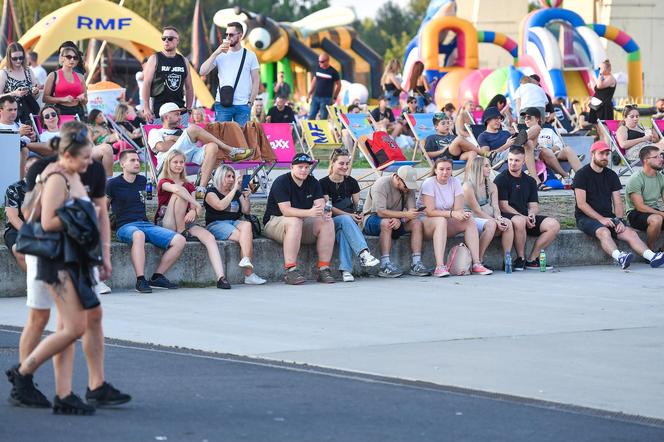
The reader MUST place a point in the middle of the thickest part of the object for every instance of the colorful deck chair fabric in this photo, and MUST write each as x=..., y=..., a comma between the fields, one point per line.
x=609, y=127
x=318, y=135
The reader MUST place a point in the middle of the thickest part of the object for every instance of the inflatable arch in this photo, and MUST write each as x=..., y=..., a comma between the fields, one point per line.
x=102, y=20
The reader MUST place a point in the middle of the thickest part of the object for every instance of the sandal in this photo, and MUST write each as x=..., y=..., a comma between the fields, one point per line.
x=543, y=187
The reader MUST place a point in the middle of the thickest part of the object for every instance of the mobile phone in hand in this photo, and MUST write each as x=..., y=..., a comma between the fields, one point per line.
x=421, y=209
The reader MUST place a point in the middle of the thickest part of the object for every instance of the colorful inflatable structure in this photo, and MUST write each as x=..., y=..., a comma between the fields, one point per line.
x=293, y=48
x=554, y=43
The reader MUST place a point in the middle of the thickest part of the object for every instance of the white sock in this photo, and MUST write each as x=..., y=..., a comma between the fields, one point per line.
x=416, y=258
x=384, y=260
x=649, y=254
x=615, y=254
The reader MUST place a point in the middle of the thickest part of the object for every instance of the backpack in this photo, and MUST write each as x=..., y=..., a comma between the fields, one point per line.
x=383, y=148
x=459, y=260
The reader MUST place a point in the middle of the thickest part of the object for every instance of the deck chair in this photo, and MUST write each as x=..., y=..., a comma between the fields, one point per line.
x=563, y=118
x=609, y=127
x=358, y=125
x=476, y=116
x=658, y=126
x=62, y=119
x=317, y=135
x=422, y=126
x=367, y=179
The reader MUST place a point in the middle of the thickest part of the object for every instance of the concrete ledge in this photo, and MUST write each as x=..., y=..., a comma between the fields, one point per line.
x=571, y=248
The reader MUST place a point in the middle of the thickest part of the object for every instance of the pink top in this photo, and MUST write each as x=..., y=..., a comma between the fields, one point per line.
x=64, y=88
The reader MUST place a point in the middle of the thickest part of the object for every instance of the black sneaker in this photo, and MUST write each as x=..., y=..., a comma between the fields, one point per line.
x=106, y=395
x=71, y=404
x=143, y=286
x=535, y=265
x=325, y=276
x=519, y=265
x=294, y=277
x=223, y=283
x=162, y=282
x=25, y=393
x=10, y=373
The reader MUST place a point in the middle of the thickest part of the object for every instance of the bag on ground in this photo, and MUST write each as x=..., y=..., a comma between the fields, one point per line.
x=459, y=260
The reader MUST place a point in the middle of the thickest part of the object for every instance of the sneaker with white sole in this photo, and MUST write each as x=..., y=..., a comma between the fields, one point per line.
x=254, y=279
x=625, y=259
x=368, y=260
x=419, y=269
x=389, y=270
x=102, y=289
x=347, y=276
x=441, y=271
x=479, y=269
x=245, y=263
x=658, y=260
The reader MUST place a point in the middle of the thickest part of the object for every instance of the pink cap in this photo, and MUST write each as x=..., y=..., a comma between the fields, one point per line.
x=599, y=146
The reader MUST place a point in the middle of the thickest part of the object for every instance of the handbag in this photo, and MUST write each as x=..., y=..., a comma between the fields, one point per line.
x=595, y=103
x=32, y=239
x=226, y=93
x=256, y=228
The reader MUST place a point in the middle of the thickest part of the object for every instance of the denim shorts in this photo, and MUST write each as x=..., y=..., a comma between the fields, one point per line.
x=156, y=235
x=372, y=227
x=222, y=230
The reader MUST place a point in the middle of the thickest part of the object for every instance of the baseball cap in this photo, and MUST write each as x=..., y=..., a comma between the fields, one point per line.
x=599, y=146
x=409, y=176
x=302, y=158
x=535, y=77
x=531, y=111
x=490, y=113
x=168, y=107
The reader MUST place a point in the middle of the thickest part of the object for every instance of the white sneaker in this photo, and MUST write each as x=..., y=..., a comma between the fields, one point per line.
x=254, y=279
x=102, y=289
x=368, y=260
x=347, y=276
x=245, y=263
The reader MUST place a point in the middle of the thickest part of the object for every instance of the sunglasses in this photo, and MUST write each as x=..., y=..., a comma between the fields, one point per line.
x=231, y=34
x=71, y=57
x=21, y=58
x=169, y=38
x=49, y=115
x=340, y=151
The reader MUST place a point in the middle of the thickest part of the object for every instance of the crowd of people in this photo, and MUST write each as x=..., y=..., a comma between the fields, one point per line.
x=67, y=186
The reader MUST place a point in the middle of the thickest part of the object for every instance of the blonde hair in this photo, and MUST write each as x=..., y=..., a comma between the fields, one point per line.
x=220, y=174
x=476, y=176
x=121, y=112
x=166, y=169
x=393, y=67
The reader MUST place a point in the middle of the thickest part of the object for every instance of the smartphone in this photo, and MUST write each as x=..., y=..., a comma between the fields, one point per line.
x=245, y=181
x=421, y=209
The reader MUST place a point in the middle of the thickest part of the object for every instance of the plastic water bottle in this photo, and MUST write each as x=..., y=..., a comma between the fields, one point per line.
x=360, y=206
x=148, y=190
x=508, y=263
x=542, y=261
x=328, y=206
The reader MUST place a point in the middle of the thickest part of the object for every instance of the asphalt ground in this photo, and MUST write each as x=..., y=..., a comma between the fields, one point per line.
x=187, y=395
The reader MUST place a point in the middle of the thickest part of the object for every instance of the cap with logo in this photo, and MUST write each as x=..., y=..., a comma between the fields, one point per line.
x=302, y=158
x=409, y=176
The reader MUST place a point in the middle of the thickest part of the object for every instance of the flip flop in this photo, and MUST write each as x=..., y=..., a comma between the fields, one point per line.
x=543, y=187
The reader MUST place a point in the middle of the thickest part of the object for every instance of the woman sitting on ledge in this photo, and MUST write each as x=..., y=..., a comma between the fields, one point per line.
x=177, y=210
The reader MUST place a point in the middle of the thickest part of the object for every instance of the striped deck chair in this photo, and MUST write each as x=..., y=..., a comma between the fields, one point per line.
x=609, y=127
x=317, y=136
x=658, y=126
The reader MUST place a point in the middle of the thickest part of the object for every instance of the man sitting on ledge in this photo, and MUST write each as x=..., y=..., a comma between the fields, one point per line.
x=170, y=136
x=295, y=215
x=125, y=193
x=599, y=209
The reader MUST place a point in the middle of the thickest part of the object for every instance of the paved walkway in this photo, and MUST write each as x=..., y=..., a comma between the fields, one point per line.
x=591, y=337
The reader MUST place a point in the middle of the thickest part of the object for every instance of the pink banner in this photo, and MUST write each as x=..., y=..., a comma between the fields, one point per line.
x=280, y=136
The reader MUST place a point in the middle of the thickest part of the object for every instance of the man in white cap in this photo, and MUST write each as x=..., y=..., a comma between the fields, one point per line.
x=390, y=212
x=170, y=136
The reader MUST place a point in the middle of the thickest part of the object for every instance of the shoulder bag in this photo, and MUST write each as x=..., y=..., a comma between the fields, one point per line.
x=226, y=93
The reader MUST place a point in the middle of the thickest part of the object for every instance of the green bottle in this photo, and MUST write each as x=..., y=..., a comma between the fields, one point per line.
x=542, y=261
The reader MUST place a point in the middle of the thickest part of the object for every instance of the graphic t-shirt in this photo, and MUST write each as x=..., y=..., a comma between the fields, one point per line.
x=127, y=199
x=325, y=79
x=438, y=142
x=232, y=212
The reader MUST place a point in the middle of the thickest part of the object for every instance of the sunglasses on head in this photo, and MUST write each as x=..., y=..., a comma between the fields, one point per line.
x=71, y=57
x=49, y=115
x=340, y=151
x=168, y=38
x=19, y=58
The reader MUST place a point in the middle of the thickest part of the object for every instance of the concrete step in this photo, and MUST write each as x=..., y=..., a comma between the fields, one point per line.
x=571, y=248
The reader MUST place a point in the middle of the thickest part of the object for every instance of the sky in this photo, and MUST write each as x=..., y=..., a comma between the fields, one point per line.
x=366, y=8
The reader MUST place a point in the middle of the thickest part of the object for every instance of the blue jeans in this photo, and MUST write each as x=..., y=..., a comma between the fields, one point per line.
x=156, y=235
x=223, y=229
x=319, y=104
x=350, y=239
x=239, y=113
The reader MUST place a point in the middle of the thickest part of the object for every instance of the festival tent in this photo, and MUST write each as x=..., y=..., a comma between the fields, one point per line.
x=102, y=20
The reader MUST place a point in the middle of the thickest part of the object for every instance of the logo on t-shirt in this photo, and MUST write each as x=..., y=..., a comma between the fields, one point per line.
x=173, y=81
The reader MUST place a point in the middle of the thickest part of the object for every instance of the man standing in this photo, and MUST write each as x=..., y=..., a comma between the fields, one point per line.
x=237, y=68
x=324, y=89
x=38, y=73
x=644, y=195
x=599, y=209
x=518, y=201
x=166, y=77
x=281, y=88
x=389, y=213
x=295, y=215
x=126, y=196
x=280, y=112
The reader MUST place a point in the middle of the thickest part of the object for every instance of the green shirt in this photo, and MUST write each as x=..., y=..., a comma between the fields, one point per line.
x=650, y=189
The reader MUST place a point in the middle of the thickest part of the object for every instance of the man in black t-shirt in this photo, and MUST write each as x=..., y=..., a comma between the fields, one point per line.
x=383, y=116
x=280, y=112
x=324, y=88
x=39, y=299
x=295, y=214
x=599, y=209
x=125, y=193
x=518, y=201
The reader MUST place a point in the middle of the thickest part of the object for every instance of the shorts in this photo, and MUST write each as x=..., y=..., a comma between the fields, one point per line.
x=223, y=229
x=638, y=220
x=480, y=222
x=275, y=229
x=534, y=231
x=10, y=238
x=155, y=235
x=372, y=227
x=589, y=226
x=38, y=295
x=192, y=152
